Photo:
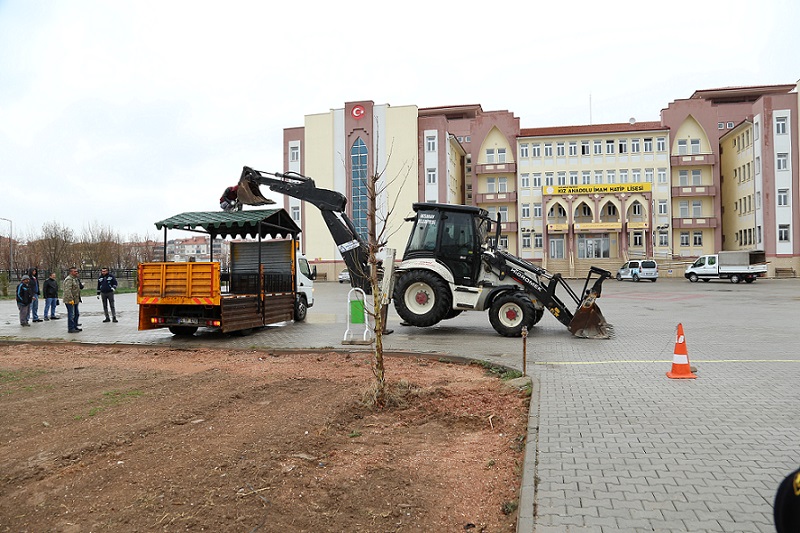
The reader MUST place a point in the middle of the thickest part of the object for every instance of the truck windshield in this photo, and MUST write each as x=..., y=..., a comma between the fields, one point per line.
x=423, y=236
x=700, y=262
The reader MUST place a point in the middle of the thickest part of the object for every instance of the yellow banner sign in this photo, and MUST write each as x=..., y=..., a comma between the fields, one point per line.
x=600, y=189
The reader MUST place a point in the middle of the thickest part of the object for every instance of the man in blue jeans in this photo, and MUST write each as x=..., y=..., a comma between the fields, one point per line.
x=72, y=298
x=106, y=286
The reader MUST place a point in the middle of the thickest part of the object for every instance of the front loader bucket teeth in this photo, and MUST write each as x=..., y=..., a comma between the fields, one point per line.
x=250, y=194
x=589, y=322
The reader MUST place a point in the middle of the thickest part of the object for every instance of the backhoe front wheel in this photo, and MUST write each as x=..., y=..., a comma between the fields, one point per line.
x=422, y=298
x=511, y=312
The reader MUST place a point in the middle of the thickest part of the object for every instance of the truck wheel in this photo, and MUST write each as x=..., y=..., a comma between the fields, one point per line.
x=300, y=309
x=636, y=277
x=422, y=298
x=619, y=276
x=183, y=331
x=510, y=312
x=735, y=278
x=693, y=278
x=537, y=316
x=452, y=313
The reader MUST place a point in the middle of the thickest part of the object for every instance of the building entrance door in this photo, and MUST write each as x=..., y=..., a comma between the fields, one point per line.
x=593, y=247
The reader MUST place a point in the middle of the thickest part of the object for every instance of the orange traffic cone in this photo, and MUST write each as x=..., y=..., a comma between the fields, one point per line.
x=680, y=361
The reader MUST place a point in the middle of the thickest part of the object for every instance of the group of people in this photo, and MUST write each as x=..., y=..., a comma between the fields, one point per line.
x=28, y=292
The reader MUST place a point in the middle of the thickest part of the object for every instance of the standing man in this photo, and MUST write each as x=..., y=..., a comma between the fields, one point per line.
x=72, y=298
x=106, y=286
x=24, y=300
x=50, y=289
x=33, y=274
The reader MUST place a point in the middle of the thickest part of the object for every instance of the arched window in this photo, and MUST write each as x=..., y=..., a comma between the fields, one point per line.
x=358, y=180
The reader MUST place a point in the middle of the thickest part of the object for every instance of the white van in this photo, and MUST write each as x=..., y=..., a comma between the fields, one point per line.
x=638, y=269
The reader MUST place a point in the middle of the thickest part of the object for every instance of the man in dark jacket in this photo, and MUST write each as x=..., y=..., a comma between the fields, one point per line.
x=50, y=289
x=229, y=201
x=33, y=274
x=106, y=286
x=24, y=300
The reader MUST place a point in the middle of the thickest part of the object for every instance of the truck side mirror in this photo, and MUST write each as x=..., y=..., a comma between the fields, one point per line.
x=314, y=272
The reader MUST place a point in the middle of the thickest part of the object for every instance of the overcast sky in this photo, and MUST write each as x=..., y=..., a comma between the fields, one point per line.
x=120, y=114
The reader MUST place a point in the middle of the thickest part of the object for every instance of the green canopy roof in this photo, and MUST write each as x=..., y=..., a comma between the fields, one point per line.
x=263, y=222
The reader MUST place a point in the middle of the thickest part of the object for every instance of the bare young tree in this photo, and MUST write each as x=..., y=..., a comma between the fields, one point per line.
x=52, y=248
x=101, y=246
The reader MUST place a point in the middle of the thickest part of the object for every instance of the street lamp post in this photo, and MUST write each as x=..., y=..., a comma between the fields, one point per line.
x=10, y=247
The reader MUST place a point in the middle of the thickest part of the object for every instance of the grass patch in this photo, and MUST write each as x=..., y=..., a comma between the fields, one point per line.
x=500, y=371
x=111, y=399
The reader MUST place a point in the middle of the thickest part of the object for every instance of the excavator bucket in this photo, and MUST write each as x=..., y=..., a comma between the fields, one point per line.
x=588, y=321
x=249, y=193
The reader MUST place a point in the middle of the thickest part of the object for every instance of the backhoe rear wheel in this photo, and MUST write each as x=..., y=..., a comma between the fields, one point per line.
x=422, y=298
x=510, y=312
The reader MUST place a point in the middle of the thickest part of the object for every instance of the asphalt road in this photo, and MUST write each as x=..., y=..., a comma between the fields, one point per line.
x=613, y=445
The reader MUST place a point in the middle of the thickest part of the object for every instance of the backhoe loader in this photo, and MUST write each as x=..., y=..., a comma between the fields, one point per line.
x=452, y=263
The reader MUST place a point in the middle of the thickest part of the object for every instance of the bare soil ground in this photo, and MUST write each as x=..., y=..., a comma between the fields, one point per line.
x=121, y=438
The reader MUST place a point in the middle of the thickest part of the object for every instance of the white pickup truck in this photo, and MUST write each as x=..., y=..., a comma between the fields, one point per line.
x=737, y=266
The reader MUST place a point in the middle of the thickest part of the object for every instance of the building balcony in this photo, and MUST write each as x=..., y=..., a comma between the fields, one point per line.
x=694, y=223
x=692, y=160
x=508, y=227
x=495, y=168
x=496, y=197
x=694, y=190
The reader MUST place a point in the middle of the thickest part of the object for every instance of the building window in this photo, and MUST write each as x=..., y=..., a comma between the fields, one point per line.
x=780, y=125
x=683, y=208
x=560, y=149
x=697, y=177
x=537, y=179
x=537, y=210
x=611, y=210
x=648, y=144
x=431, y=173
x=557, y=211
x=756, y=130
x=502, y=184
x=598, y=148
x=358, y=186
x=548, y=149
x=296, y=213
x=730, y=125
x=611, y=175
x=573, y=177
x=598, y=177
x=573, y=148
x=683, y=147
x=662, y=207
x=648, y=175
x=609, y=147
x=637, y=238
x=683, y=178
x=526, y=210
x=548, y=178
x=782, y=162
x=637, y=209
x=697, y=208
x=695, y=145
x=562, y=179
x=662, y=175
x=623, y=146
x=720, y=125
x=783, y=233
x=684, y=238
x=503, y=210
x=490, y=155
x=430, y=143
x=536, y=150
x=294, y=153
x=523, y=150
x=524, y=181
x=584, y=147
x=585, y=210
x=501, y=156
x=636, y=175
x=661, y=144
x=783, y=197
x=586, y=177
x=537, y=240
x=623, y=176
x=526, y=240
x=635, y=146
x=491, y=185
x=503, y=241
x=697, y=238
x=663, y=239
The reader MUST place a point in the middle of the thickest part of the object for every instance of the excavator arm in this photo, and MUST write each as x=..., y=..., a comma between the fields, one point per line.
x=332, y=206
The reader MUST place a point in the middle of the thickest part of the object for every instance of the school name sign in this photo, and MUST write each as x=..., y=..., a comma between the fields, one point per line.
x=600, y=189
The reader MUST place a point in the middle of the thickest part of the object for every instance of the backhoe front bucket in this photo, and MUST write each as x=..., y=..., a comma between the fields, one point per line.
x=249, y=193
x=589, y=322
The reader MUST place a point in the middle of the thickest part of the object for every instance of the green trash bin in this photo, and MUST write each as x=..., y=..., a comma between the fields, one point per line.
x=357, y=312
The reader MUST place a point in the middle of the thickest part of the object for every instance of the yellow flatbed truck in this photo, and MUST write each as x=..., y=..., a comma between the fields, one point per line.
x=268, y=281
